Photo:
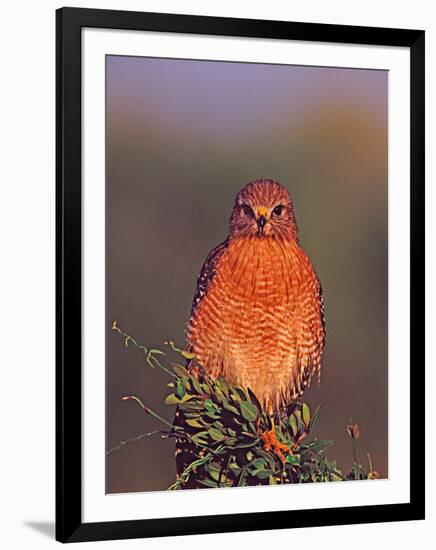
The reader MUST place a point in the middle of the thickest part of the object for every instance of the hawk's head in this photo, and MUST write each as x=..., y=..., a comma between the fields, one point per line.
x=263, y=208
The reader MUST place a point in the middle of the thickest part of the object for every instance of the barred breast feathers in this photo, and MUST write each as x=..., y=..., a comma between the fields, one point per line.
x=257, y=317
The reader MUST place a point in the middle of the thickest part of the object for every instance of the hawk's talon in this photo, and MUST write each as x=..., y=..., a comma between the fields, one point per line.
x=271, y=443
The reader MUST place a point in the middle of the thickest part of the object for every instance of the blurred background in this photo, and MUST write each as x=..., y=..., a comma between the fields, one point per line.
x=182, y=138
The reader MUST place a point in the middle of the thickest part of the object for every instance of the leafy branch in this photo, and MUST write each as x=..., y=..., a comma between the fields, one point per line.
x=233, y=441
x=151, y=354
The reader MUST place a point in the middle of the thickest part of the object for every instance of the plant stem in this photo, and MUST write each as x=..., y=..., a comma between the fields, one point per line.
x=128, y=441
x=356, y=468
x=147, y=409
x=184, y=476
x=149, y=353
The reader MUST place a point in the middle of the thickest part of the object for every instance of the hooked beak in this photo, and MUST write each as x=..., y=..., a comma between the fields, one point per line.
x=261, y=222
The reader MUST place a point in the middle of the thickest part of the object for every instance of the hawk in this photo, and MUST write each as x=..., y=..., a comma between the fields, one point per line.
x=258, y=316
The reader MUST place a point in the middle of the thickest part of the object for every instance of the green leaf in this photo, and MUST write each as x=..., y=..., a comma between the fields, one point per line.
x=317, y=446
x=187, y=397
x=191, y=404
x=196, y=385
x=314, y=419
x=187, y=354
x=212, y=410
x=233, y=467
x=293, y=424
x=243, y=443
x=272, y=480
x=266, y=456
x=254, y=399
x=249, y=411
x=213, y=415
x=220, y=396
x=198, y=438
x=263, y=473
x=180, y=371
x=205, y=388
x=306, y=414
x=258, y=464
x=218, y=424
x=188, y=414
x=171, y=399
x=239, y=394
x=210, y=406
x=180, y=389
x=299, y=420
x=193, y=423
x=293, y=460
x=230, y=408
x=215, y=434
x=224, y=385
x=214, y=470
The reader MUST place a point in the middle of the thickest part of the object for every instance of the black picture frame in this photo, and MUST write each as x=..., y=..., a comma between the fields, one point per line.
x=69, y=22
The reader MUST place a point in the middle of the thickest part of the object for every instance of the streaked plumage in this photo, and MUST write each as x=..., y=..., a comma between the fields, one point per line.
x=257, y=316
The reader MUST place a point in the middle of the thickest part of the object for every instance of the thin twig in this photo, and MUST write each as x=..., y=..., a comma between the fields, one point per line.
x=150, y=354
x=147, y=409
x=128, y=441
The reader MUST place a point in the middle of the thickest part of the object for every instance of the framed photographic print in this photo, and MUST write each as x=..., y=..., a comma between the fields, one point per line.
x=240, y=274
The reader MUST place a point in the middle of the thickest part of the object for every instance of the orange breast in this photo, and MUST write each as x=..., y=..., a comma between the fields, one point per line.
x=259, y=323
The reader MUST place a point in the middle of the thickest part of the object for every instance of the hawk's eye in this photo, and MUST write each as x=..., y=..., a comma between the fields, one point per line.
x=278, y=210
x=247, y=211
